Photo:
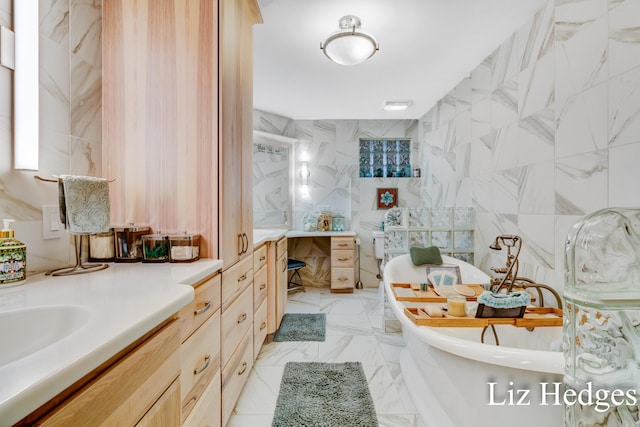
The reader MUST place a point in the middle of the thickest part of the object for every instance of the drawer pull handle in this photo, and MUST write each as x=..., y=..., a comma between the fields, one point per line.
x=205, y=307
x=263, y=286
x=262, y=258
x=244, y=368
x=242, y=318
x=205, y=365
x=242, y=278
x=263, y=325
x=343, y=259
x=342, y=278
x=342, y=245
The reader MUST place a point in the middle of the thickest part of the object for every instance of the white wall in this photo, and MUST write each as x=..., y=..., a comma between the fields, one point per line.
x=545, y=130
x=70, y=120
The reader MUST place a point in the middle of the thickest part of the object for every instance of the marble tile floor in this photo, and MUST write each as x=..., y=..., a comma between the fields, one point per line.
x=355, y=332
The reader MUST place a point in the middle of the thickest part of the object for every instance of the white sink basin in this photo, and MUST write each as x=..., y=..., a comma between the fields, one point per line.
x=26, y=331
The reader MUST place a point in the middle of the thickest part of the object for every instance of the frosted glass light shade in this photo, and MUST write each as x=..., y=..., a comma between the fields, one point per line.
x=349, y=46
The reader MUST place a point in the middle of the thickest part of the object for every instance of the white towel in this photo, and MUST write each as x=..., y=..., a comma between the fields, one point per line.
x=84, y=204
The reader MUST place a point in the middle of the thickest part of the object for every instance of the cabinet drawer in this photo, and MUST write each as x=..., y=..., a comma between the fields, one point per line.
x=259, y=257
x=236, y=320
x=128, y=389
x=235, y=374
x=281, y=247
x=235, y=279
x=259, y=328
x=342, y=278
x=342, y=258
x=209, y=407
x=199, y=362
x=260, y=287
x=205, y=302
x=166, y=411
x=347, y=242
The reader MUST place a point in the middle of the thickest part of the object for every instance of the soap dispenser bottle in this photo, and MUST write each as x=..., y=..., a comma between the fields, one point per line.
x=13, y=258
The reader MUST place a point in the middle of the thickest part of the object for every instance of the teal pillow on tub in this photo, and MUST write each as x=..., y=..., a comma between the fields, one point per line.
x=422, y=256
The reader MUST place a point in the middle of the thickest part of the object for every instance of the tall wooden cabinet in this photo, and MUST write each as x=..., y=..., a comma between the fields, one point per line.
x=236, y=128
x=177, y=118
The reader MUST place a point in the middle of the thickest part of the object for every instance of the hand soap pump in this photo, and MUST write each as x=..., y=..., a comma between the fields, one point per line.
x=13, y=258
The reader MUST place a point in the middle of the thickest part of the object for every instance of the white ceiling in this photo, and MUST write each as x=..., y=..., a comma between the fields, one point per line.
x=426, y=48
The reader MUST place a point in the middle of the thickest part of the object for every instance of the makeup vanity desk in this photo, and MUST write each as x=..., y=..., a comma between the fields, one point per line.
x=342, y=254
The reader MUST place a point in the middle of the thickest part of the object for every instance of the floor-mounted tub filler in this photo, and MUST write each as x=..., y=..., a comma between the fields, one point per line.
x=455, y=380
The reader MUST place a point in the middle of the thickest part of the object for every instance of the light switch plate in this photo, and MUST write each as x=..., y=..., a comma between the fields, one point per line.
x=52, y=228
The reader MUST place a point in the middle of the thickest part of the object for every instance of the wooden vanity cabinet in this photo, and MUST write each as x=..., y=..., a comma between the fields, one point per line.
x=260, y=289
x=200, y=326
x=139, y=387
x=342, y=263
x=277, y=283
x=236, y=333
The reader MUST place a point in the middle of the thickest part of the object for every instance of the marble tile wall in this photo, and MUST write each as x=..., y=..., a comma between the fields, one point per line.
x=555, y=131
x=70, y=121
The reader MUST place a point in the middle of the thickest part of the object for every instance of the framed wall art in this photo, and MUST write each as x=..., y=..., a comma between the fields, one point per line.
x=387, y=198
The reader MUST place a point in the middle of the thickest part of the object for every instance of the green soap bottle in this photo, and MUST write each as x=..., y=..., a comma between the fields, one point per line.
x=13, y=258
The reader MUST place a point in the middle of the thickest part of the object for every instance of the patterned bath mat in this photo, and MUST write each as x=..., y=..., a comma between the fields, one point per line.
x=302, y=327
x=324, y=395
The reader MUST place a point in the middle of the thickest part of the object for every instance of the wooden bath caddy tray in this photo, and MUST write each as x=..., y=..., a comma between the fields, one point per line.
x=533, y=317
x=411, y=292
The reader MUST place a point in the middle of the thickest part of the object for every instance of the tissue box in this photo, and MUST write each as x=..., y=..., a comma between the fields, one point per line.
x=502, y=305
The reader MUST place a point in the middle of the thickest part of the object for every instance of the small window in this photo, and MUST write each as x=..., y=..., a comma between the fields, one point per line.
x=385, y=158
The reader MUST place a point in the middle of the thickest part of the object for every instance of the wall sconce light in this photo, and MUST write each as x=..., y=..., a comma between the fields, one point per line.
x=26, y=120
x=305, y=173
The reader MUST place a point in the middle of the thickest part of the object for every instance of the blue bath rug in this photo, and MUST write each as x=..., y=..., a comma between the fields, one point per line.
x=302, y=327
x=324, y=395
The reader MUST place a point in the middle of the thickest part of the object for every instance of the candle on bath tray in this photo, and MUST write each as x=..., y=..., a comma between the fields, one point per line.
x=457, y=305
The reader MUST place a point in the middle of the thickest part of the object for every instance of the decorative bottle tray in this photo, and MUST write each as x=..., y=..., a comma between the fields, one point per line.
x=533, y=317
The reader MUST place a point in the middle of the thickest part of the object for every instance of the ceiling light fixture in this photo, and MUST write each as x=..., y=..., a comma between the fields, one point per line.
x=349, y=45
x=396, y=105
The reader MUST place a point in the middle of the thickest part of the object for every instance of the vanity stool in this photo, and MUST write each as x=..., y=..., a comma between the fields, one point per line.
x=295, y=265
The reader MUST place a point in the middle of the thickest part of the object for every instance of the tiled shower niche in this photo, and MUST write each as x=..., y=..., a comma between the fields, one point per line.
x=449, y=229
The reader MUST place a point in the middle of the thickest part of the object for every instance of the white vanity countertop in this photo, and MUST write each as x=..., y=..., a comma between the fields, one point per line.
x=299, y=233
x=122, y=303
x=261, y=235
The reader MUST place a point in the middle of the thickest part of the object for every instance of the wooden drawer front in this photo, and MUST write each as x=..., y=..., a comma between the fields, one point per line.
x=235, y=279
x=205, y=302
x=342, y=278
x=166, y=411
x=260, y=287
x=235, y=374
x=128, y=389
x=199, y=362
x=236, y=320
x=343, y=243
x=259, y=328
x=208, y=410
x=259, y=257
x=342, y=258
x=281, y=247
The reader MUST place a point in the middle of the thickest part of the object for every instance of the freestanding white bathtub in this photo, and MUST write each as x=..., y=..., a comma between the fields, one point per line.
x=457, y=381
